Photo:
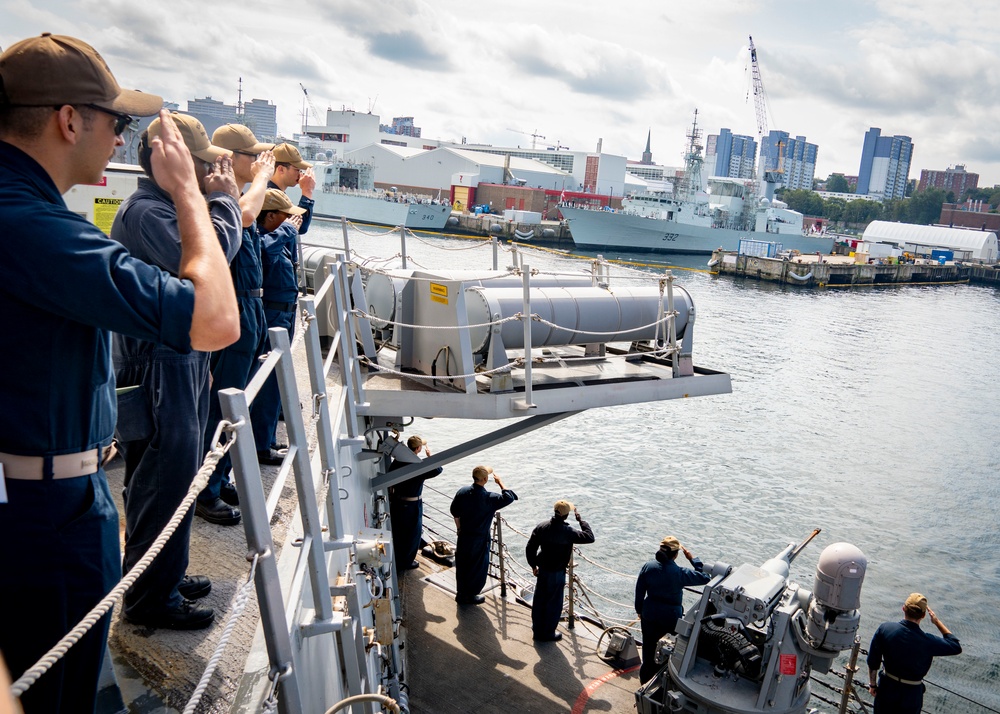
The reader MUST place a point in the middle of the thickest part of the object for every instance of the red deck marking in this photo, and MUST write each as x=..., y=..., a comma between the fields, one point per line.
x=581, y=701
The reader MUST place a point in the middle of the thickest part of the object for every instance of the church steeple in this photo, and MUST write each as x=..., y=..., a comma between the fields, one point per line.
x=647, y=156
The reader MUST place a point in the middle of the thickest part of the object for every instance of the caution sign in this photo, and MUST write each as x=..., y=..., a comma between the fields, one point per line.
x=439, y=293
x=104, y=212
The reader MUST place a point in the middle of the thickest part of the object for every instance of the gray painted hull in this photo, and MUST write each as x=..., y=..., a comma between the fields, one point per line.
x=604, y=230
x=363, y=209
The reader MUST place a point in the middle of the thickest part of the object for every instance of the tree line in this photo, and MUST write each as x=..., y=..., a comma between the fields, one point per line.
x=923, y=207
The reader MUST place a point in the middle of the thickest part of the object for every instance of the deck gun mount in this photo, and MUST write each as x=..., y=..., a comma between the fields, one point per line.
x=752, y=640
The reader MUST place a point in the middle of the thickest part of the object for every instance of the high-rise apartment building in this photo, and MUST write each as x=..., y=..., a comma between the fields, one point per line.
x=729, y=154
x=209, y=107
x=404, y=127
x=260, y=115
x=885, y=165
x=955, y=179
x=262, y=118
x=796, y=158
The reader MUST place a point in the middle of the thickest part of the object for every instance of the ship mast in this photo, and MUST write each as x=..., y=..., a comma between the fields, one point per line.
x=693, y=160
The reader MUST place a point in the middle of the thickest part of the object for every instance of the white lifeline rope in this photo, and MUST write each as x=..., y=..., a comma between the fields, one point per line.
x=485, y=243
x=358, y=312
x=481, y=278
x=509, y=367
x=543, y=321
x=369, y=233
x=62, y=647
x=241, y=602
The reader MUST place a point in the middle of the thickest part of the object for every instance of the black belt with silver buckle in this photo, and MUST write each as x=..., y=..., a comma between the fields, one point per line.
x=258, y=293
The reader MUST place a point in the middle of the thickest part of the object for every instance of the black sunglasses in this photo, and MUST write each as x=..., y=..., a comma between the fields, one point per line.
x=122, y=121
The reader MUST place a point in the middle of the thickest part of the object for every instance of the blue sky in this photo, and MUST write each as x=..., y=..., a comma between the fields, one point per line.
x=576, y=71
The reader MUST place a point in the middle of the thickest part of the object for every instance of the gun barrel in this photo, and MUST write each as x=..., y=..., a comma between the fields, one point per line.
x=798, y=549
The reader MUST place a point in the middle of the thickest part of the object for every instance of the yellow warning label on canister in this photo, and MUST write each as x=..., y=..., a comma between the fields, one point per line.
x=439, y=293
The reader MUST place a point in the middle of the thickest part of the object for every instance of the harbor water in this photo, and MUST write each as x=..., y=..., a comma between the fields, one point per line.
x=870, y=414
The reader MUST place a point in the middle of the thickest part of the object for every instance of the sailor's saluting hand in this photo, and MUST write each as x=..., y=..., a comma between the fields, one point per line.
x=263, y=164
x=307, y=182
x=220, y=178
x=170, y=158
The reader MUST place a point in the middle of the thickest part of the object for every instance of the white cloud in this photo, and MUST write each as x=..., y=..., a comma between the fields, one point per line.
x=574, y=71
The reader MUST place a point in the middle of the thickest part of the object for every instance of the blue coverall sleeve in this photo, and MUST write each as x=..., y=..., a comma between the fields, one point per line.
x=274, y=242
x=531, y=550
x=584, y=535
x=640, y=591
x=307, y=217
x=227, y=218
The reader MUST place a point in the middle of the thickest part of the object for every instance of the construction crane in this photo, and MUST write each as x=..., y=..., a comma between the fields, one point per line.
x=534, y=135
x=760, y=104
x=305, y=117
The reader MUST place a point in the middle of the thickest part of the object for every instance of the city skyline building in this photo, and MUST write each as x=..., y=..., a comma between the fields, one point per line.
x=401, y=126
x=795, y=157
x=258, y=114
x=955, y=179
x=885, y=165
x=262, y=118
x=731, y=155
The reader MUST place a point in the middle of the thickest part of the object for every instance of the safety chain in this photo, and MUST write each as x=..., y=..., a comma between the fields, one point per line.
x=241, y=602
x=60, y=649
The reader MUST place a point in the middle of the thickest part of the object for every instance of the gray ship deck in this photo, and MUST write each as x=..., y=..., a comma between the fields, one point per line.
x=482, y=658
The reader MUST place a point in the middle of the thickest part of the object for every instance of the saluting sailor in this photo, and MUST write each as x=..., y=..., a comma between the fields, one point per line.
x=64, y=286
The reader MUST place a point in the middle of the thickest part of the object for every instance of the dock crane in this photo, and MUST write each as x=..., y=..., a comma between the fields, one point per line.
x=534, y=135
x=315, y=112
x=760, y=104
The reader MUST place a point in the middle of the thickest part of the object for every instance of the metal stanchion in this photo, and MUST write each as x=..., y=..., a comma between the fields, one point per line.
x=850, y=669
x=572, y=592
x=503, y=572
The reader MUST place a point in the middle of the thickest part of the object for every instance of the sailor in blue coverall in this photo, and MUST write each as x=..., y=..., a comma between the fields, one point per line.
x=548, y=552
x=659, y=600
x=63, y=286
x=473, y=508
x=906, y=653
x=280, y=257
x=253, y=163
x=161, y=423
x=407, y=507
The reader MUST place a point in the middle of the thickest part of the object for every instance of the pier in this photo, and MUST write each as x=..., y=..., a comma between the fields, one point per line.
x=820, y=271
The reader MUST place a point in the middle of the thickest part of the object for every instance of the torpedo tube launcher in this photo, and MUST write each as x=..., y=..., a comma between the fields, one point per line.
x=753, y=639
x=570, y=311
